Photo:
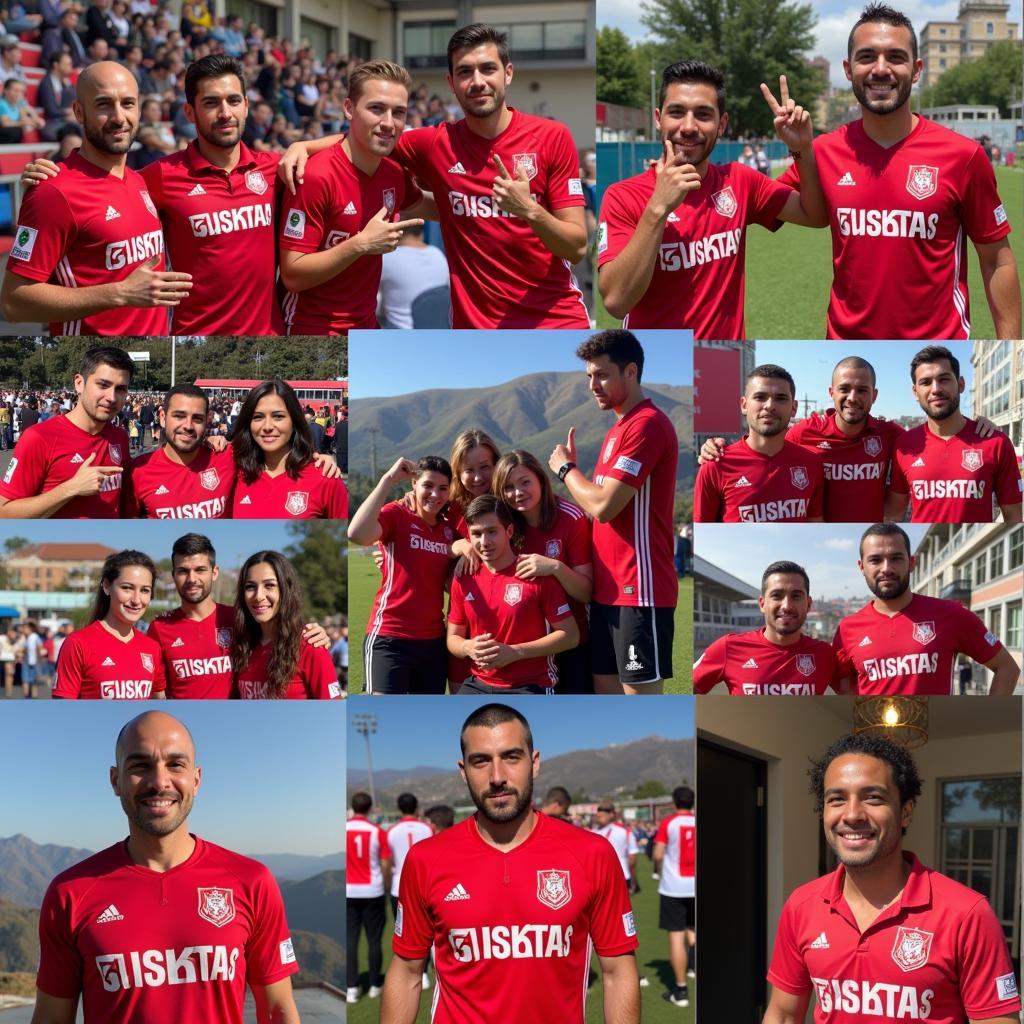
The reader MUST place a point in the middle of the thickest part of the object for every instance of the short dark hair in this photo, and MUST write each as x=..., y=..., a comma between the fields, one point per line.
x=691, y=71
x=792, y=568
x=885, y=15
x=214, y=65
x=190, y=391
x=434, y=464
x=490, y=716
x=558, y=795
x=361, y=802
x=856, y=363
x=106, y=355
x=933, y=354
x=407, y=803
x=901, y=764
x=620, y=346
x=193, y=544
x=484, y=505
x=884, y=530
x=769, y=371
x=682, y=797
x=441, y=816
x=472, y=36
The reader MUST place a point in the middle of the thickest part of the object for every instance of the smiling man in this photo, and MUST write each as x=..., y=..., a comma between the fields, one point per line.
x=162, y=926
x=882, y=936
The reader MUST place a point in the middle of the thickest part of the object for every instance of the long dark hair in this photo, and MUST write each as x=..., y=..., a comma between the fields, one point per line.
x=112, y=568
x=285, y=653
x=248, y=454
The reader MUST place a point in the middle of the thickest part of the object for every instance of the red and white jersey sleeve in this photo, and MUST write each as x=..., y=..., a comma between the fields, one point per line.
x=506, y=927
x=366, y=845
x=161, y=488
x=679, y=868
x=196, y=653
x=311, y=496
x=94, y=664
x=315, y=676
x=633, y=554
x=502, y=276
x=623, y=843
x=402, y=836
x=750, y=664
x=698, y=273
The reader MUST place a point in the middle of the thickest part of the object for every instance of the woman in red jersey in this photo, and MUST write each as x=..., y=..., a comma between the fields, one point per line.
x=270, y=657
x=273, y=448
x=110, y=658
x=556, y=542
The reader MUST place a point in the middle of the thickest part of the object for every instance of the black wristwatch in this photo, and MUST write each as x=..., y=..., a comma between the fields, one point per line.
x=566, y=468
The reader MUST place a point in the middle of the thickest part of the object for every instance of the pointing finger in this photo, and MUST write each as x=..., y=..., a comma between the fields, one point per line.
x=501, y=166
x=414, y=223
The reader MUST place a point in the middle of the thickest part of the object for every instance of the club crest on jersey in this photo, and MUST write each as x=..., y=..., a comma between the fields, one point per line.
x=911, y=948
x=224, y=636
x=389, y=200
x=148, y=202
x=147, y=662
x=115, y=453
x=255, y=182
x=805, y=664
x=798, y=474
x=524, y=162
x=608, y=449
x=924, y=632
x=922, y=181
x=553, y=888
x=725, y=202
x=972, y=459
x=873, y=446
x=513, y=594
x=216, y=905
x=297, y=503
x=209, y=479
x=553, y=549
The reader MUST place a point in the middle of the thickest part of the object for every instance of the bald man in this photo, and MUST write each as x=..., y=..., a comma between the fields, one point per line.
x=88, y=250
x=162, y=926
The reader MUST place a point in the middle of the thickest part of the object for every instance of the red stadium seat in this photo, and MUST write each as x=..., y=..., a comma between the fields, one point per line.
x=32, y=93
x=29, y=136
x=34, y=74
x=31, y=55
x=31, y=36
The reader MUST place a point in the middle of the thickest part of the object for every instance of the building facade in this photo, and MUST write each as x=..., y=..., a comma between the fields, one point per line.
x=945, y=44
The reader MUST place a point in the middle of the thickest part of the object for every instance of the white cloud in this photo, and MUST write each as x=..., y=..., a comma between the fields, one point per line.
x=839, y=543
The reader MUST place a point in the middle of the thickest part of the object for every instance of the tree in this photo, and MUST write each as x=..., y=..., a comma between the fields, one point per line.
x=618, y=73
x=750, y=41
x=993, y=79
x=648, y=789
x=319, y=555
x=12, y=544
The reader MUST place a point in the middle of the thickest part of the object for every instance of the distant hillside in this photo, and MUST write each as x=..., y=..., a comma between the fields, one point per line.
x=533, y=412
x=320, y=959
x=296, y=866
x=28, y=868
x=317, y=904
x=19, y=937
x=389, y=776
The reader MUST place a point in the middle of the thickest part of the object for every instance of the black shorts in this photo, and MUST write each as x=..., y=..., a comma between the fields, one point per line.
x=677, y=913
x=633, y=643
x=475, y=686
x=574, y=675
x=396, y=665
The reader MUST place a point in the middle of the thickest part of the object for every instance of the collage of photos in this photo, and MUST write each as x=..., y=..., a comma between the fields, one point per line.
x=454, y=309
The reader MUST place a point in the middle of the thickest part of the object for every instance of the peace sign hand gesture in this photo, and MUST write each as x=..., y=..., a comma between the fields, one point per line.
x=792, y=122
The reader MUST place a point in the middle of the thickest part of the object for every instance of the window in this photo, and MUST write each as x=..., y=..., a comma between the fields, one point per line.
x=995, y=619
x=1017, y=547
x=320, y=36
x=995, y=560
x=1013, y=625
x=980, y=566
x=252, y=10
x=989, y=28
x=549, y=40
x=359, y=47
x=425, y=43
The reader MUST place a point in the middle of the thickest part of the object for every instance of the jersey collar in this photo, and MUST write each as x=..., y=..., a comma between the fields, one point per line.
x=917, y=894
x=198, y=164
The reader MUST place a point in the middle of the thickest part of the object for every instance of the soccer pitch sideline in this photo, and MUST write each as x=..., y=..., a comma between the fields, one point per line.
x=652, y=960
x=364, y=577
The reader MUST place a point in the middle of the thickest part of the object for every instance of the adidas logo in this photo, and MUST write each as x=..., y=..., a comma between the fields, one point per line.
x=161, y=490
x=112, y=214
x=178, y=643
x=351, y=208
x=743, y=482
x=108, y=661
x=866, y=642
x=246, y=500
x=750, y=663
x=458, y=893
x=825, y=446
x=821, y=942
x=457, y=168
x=198, y=191
x=110, y=914
x=918, y=461
x=846, y=179
x=672, y=219
x=469, y=597
x=76, y=458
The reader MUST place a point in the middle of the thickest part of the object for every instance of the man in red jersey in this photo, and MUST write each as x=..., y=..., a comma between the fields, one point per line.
x=672, y=241
x=904, y=194
x=343, y=217
x=762, y=477
x=104, y=929
x=883, y=937
x=70, y=467
x=510, y=900
x=780, y=659
x=945, y=468
x=508, y=194
x=630, y=501
x=675, y=861
x=902, y=642
x=367, y=871
x=509, y=628
x=88, y=252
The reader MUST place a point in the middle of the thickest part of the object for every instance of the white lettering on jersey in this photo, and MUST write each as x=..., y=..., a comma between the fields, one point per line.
x=684, y=255
x=126, y=689
x=510, y=942
x=225, y=222
x=779, y=689
x=948, y=489
x=887, y=223
x=476, y=206
x=873, y=999
x=900, y=665
x=186, y=668
x=137, y=249
x=153, y=968
x=249, y=689
x=213, y=508
x=433, y=547
x=773, y=511
x=854, y=471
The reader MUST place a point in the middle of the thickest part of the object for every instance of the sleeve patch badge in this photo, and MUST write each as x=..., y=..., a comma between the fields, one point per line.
x=629, y=925
x=287, y=952
x=627, y=465
x=1006, y=986
x=1000, y=213
x=25, y=242
x=295, y=224
x=575, y=187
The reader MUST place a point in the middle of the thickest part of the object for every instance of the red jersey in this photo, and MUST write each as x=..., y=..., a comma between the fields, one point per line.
x=937, y=953
x=312, y=496
x=623, y=843
x=51, y=453
x=196, y=652
x=512, y=932
x=144, y=946
x=955, y=479
x=750, y=663
x=215, y=220
x=501, y=273
x=335, y=201
x=402, y=836
x=633, y=554
x=87, y=227
x=93, y=663
x=513, y=611
x=903, y=214
x=679, y=868
x=747, y=486
x=698, y=275
x=913, y=651
x=417, y=557
x=315, y=677
x=160, y=488
x=366, y=845
x=568, y=541
x=855, y=467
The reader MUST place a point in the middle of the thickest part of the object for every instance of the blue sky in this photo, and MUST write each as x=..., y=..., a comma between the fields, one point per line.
x=272, y=773
x=425, y=730
x=422, y=360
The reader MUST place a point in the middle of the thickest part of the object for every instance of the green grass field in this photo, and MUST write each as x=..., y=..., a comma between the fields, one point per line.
x=364, y=577
x=652, y=960
x=789, y=274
